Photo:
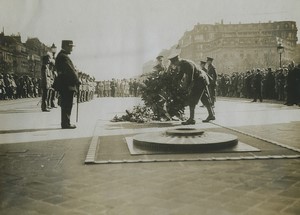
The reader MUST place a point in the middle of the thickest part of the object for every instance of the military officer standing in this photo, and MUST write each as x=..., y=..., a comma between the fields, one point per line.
x=69, y=82
x=212, y=74
x=196, y=81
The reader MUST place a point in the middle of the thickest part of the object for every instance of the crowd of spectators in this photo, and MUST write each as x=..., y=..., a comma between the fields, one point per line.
x=118, y=88
x=281, y=84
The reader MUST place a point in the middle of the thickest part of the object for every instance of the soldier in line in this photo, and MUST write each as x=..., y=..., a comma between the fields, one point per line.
x=113, y=88
x=126, y=88
x=51, y=91
x=130, y=87
x=45, y=82
x=196, y=82
x=107, y=88
x=212, y=74
x=101, y=88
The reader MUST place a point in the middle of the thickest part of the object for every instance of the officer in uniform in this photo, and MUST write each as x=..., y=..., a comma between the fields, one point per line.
x=212, y=75
x=196, y=82
x=159, y=67
x=70, y=82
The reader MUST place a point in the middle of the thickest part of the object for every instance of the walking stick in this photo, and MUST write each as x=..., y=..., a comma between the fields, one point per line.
x=77, y=103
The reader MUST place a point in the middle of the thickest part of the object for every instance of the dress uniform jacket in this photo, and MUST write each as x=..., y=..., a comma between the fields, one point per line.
x=67, y=71
x=211, y=71
x=69, y=83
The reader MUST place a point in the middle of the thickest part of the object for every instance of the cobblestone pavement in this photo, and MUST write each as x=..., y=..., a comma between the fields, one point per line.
x=42, y=167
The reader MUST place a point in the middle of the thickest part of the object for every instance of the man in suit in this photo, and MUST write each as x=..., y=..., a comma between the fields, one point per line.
x=195, y=81
x=70, y=82
x=212, y=74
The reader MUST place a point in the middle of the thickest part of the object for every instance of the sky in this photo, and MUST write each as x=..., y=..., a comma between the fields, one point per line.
x=114, y=38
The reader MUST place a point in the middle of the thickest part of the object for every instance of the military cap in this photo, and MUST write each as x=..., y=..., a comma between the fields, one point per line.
x=209, y=59
x=159, y=57
x=67, y=43
x=173, y=57
x=203, y=62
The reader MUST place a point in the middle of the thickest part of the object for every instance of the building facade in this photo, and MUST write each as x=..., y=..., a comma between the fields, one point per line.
x=21, y=58
x=240, y=47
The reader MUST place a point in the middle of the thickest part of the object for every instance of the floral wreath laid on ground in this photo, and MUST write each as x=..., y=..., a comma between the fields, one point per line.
x=164, y=99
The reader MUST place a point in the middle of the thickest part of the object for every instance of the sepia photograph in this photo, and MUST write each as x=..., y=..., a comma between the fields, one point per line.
x=150, y=107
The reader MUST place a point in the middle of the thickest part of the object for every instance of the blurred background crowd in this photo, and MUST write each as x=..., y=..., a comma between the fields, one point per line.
x=281, y=84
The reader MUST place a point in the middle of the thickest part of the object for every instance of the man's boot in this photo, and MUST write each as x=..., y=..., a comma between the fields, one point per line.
x=211, y=115
x=191, y=120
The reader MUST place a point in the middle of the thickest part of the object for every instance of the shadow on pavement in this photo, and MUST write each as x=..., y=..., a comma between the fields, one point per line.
x=27, y=130
x=20, y=111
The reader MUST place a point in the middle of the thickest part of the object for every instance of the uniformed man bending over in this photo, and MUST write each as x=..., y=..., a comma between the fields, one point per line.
x=196, y=82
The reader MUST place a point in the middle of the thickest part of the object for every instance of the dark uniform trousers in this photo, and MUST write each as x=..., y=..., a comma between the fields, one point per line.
x=66, y=107
x=68, y=82
x=199, y=92
x=44, y=98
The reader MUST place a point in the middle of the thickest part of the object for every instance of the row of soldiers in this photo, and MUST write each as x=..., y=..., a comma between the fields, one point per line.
x=118, y=88
x=262, y=84
x=87, y=88
x=13, y=86
x=49, y=95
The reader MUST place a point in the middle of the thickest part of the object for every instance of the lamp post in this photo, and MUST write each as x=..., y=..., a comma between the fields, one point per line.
x=53, y=49
x=280, y=50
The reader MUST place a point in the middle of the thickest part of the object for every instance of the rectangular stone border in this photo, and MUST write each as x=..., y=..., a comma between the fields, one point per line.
x=91, y=155
x=95, y=142
x=200, y=159
x=240, y=147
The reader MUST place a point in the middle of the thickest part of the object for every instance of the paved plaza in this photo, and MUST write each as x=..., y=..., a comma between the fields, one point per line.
x=43, y=170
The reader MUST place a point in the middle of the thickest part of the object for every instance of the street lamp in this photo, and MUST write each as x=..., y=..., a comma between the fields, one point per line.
x=53, y=49
x=280, y=50
x=32, y=61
